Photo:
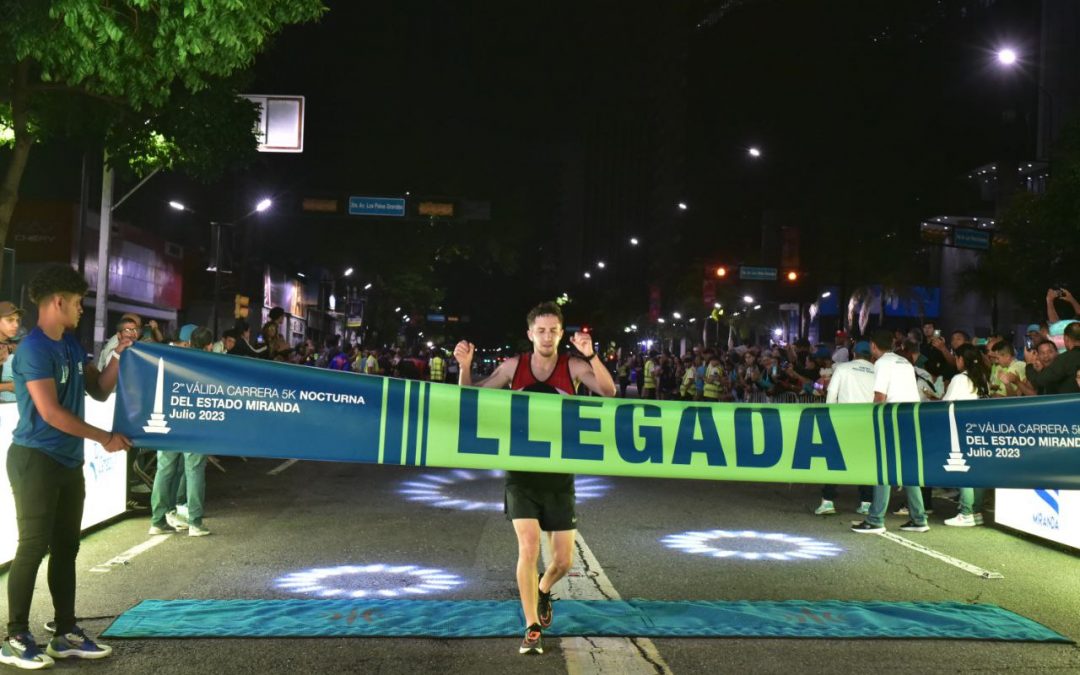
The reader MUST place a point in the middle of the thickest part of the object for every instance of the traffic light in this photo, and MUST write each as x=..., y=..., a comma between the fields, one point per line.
x=718, y=272
x=241, y=308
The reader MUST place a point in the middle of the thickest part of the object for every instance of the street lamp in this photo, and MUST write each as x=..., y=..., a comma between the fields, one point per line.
x=1006, y=56
x=215, y=236
x=754, y=151
x=634, y=241
x=748, y=299
x=348, y=272
x=683, y=206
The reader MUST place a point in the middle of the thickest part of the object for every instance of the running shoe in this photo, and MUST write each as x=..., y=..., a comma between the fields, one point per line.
x=197, y=530
x=20, y=650
x=965, y=520
x=866, y=528
x=912, y=526
x=902, y=511
x=162, y=529
x=543, y=608
x=864, y=508
x=533, y=642
x=825, y=509
x=74, y=644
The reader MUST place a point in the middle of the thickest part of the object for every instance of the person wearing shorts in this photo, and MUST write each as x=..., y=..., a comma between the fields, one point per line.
x=542, y=502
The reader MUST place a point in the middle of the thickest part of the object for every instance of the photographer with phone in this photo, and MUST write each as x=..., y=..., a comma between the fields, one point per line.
x=1060, y=376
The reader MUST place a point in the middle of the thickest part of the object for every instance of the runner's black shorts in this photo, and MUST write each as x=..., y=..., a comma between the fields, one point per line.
x=554, y=510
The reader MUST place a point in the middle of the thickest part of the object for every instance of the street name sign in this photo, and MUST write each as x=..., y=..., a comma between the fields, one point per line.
x=377, y=206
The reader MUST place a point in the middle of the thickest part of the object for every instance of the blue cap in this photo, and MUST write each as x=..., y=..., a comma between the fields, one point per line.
x=1033, y=328
x=823, y=353
x=862, y=347
x=185, y=332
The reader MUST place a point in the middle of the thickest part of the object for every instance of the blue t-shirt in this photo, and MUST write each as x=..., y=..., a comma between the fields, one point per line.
x=40, y=357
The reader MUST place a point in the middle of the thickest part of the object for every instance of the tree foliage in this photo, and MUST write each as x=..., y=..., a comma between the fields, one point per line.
x=152, y=80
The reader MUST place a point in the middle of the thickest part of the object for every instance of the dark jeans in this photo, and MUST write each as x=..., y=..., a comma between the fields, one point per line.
x=866, y=493
x=49, y=501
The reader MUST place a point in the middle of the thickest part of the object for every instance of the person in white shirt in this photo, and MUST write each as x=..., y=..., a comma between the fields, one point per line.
x=894, y=382
x=972, y=382
x=851, y=382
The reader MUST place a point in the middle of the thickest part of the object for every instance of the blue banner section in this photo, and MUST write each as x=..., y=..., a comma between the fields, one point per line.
x=632, y=618
x=171, y=398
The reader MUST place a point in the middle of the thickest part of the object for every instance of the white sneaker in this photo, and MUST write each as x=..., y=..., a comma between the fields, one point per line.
x=172, y=518
x=181, y=510
x=965, y=520
x=197, y=531
x=864, y=508
x=825, y=509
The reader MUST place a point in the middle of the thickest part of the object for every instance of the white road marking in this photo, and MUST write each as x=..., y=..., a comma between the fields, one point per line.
x=281, y=467
x=600, y=655
x=955, y=562
x=125, y=557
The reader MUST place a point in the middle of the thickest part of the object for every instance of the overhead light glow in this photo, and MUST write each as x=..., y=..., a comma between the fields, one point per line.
x=588, y=275
x=778, y=332
x=263, y=205
x=751, y=545
x=349, y=272
x=826, y=294
x=662, y=320
x=754, y=151
x=634, y=241
x=177, y=205
x=470, y=490
x=367, y=287
x=676, y=315
x=1006, y=56
x=683, y=206
x=600, y=264
x=378, y=580
x=748, y=299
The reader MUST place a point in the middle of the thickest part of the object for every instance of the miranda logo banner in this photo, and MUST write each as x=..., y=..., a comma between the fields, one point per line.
x=223, y=405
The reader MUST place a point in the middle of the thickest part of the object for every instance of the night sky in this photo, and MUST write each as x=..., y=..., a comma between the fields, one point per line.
x=869, y=113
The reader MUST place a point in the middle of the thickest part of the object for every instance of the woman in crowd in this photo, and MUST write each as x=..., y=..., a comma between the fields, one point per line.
x=971, y=382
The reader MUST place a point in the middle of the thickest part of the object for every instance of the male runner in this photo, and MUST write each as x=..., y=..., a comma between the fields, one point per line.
x=542, y=501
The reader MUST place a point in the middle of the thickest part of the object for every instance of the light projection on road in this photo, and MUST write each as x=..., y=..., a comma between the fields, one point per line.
x=751, y=545
x=369, y=581
x=469, y=490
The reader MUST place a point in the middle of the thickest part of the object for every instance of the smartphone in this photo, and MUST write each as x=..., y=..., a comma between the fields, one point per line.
x=937, y=332
x=1029, y=344
x=818, y=386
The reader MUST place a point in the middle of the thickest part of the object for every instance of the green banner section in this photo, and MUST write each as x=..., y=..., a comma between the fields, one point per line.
x=182, y=399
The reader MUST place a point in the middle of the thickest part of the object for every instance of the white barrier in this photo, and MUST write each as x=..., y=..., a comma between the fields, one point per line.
x=106, y=475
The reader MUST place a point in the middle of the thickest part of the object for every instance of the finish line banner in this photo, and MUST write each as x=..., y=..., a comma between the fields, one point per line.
x=172, y=398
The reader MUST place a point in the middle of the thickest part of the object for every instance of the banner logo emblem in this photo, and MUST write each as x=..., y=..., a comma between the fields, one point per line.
x=157, y=424
x=956, y=457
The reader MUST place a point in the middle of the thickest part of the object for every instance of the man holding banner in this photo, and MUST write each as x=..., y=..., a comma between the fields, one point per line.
x=536, y=502
x=44, y=465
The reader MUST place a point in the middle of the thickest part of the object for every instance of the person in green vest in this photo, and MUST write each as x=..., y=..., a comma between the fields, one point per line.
x=651, y=371
x=437, y=366
x=713, y=375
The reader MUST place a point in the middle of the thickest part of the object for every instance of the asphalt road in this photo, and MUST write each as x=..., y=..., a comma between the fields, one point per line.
x=321, y=515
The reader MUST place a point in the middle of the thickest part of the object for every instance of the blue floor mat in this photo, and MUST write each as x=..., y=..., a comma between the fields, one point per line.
x=632, y=618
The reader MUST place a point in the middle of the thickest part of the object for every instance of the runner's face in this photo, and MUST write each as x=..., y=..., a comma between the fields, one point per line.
x=545, y=334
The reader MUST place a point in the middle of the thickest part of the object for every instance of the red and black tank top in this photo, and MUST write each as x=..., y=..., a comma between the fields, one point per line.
x=559, y=382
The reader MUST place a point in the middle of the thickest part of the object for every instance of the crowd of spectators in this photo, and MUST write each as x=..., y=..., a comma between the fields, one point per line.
x=1045, y=360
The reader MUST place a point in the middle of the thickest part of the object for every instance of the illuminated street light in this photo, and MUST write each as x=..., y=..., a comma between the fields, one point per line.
x=367, y=287
x=396, y=310
x=263, y=205
x=1006, y=56
x=588, y=275
x=600, y=264
x=348, y=272
x=683, y=206
x=178, y=206
x=757, y=306
x=754, y=151
x=826, y=294
x=634, y=241
x=633, y=326
x=748, y=299
x=661, y=320
x=676, y=315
